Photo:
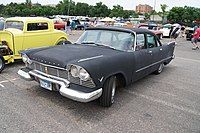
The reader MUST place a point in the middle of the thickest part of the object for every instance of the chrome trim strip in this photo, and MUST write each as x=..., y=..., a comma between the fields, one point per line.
x=80, y=96
x=86, y=59
x=153, y=64
x=24, y=75
x=49, y=76
x=48, y=65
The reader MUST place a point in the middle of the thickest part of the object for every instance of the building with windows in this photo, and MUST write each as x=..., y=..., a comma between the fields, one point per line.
x=144, y=9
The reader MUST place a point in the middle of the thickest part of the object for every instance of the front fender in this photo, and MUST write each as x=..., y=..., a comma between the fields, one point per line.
x=102, y=68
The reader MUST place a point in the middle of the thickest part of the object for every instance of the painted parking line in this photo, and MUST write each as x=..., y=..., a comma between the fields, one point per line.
x=184, y=109
x=6, y=81
x=187, y=59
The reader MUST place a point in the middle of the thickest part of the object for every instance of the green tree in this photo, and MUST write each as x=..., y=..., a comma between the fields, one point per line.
x=99, y=10
x=117, y=11
x=184, y=14
x=81, y=9
x=164, y=12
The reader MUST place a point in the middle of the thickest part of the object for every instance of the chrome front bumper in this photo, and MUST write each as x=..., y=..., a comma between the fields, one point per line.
x=64, y=89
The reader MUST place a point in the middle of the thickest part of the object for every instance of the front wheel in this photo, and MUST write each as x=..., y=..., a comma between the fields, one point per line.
x=2, y=64
x=108, y=94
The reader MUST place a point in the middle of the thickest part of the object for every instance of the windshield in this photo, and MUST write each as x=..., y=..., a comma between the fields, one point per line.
x=14, y=24
x=123, y=41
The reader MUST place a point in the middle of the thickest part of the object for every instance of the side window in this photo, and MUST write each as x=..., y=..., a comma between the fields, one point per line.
x=140, y=41
x=37, y=26
x=158, y=42
x=151, y=41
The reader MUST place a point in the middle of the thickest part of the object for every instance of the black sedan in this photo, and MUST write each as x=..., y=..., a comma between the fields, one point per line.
x=101, y=60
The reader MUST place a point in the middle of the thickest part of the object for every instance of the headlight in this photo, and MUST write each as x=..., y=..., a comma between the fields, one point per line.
x=25, y=59
x=79, y=72
x=83, y=74
x=74, y=71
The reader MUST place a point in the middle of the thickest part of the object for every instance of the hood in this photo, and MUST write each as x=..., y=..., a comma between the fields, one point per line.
x=71, y=53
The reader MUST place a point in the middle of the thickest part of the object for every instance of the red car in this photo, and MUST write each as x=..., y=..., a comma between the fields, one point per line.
x=154, y=28
x=59, y=24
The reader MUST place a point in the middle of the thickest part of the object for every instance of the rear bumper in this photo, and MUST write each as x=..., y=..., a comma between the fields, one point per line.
x=74, y=93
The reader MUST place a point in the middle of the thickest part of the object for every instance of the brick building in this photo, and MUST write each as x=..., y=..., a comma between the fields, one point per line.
x=144, y=8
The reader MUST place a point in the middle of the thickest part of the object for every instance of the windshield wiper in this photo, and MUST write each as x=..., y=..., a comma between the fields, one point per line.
x=98, y=44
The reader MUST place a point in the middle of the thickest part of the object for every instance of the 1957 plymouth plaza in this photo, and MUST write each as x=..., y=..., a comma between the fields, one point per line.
x=103, y=59
x=22, y=33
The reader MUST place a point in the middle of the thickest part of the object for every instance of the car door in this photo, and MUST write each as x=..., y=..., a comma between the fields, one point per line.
x=143, y=57
x=37, y=35
x=155, y=48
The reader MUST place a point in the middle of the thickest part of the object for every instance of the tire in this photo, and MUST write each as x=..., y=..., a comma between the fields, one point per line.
x=61, y=42
x=109, y=88
x=2, y=64
x=160, y=69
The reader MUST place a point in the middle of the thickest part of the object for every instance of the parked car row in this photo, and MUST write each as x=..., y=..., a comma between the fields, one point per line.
x=60, y=24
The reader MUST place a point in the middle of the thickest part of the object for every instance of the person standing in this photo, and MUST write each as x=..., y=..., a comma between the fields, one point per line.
x=182, y=35
x=195, y=38
x=73, y=26
x=67, y=27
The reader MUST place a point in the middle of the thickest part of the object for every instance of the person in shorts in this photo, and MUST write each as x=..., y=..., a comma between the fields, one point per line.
x=195, y=39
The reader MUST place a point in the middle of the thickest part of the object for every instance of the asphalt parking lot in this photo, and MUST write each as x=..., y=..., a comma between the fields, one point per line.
x=169, y=102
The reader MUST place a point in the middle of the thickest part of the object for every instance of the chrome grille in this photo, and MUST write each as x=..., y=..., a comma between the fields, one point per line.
x=61, y=73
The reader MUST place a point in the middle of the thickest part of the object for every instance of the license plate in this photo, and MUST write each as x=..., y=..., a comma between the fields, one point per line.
x=46, y=84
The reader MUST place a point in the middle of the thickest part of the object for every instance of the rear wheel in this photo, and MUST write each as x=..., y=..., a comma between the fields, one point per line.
x=61, y=41
x=160, y=69
x=109, y=88
x=2, y=64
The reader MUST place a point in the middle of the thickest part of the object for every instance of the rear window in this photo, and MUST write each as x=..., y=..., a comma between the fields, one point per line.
x=37, y=26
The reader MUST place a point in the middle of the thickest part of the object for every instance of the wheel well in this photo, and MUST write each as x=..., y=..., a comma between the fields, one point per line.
x=121, y=81
x=62, y=38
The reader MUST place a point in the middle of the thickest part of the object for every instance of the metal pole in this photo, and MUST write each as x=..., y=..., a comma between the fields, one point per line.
x=154, y=7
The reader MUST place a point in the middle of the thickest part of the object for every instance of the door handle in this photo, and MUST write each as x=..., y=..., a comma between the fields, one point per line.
x=150, y=52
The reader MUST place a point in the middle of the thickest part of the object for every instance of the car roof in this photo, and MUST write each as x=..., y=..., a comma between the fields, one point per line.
x=28, y=19
x=123, y=29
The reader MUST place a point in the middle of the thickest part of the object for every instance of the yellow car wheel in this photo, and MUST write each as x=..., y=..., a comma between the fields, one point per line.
x=2, y=64
x=61, y=41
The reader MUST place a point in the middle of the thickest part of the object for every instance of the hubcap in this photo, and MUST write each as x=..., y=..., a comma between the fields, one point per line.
x=160, y=68
x=1, y=63
x=113, y=91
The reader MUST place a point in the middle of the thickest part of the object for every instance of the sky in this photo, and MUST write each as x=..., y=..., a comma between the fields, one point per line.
x=127, y=4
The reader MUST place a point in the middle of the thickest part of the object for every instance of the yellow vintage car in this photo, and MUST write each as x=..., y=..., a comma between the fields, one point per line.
x=23, y=33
